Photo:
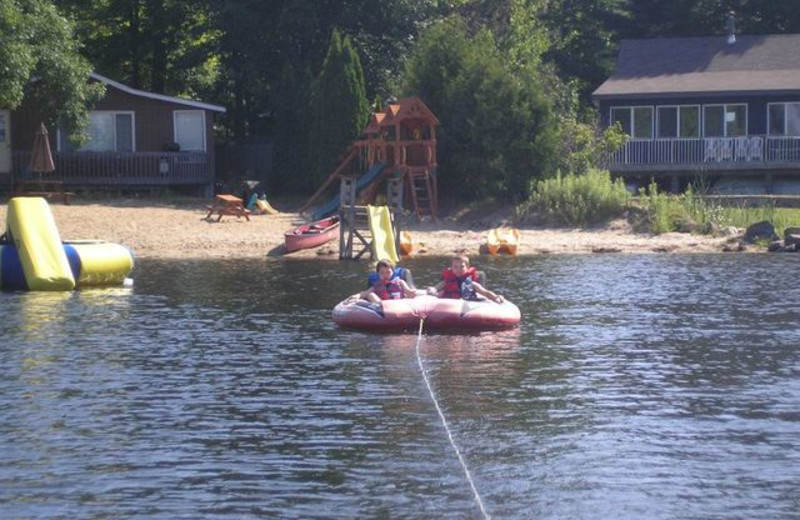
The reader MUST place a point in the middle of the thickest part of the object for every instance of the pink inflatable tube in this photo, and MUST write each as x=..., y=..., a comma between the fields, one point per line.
x=439, y=314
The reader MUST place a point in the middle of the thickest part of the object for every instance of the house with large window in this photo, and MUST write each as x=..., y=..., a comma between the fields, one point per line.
x=136, y=139
x=726, y=108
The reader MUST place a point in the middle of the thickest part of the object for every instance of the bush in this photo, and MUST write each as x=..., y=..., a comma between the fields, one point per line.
x=580, y=200
x=667, y=213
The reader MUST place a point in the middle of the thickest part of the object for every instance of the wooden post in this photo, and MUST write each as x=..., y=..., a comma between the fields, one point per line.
x=394, y=199
x=674, y=184
x=347, y=200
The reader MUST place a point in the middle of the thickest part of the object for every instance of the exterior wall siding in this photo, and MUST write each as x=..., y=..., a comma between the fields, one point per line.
x=670, y=155
x=153, y=134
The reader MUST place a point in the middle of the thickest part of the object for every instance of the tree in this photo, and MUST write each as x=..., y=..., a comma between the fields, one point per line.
x=165, y=46
x=498, y=131
x=40, y=64
x=339, y=107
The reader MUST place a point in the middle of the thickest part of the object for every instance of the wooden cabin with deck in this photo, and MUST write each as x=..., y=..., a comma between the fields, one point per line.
x=137, y=140
x=724, y=107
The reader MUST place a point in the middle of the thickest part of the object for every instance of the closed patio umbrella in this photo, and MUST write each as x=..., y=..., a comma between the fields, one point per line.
x=41, y=159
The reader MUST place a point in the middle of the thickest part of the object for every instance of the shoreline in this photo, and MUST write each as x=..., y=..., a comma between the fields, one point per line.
x=154, y=228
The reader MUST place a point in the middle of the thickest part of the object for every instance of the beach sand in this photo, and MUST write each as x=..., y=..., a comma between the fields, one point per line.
x=156, y=228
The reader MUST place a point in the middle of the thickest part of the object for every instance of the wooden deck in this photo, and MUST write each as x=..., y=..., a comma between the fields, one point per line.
x=124, y=170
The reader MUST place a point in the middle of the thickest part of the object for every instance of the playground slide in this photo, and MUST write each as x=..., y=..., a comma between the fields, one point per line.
x=332, y=205
x=41, y=253
x=380, y=223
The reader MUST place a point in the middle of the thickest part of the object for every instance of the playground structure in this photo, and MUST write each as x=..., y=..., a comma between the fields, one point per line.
x=369, y=229
x=398, y=146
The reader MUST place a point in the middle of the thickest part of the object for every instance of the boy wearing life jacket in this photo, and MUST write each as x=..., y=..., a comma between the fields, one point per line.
x=460, y=280
x=387, y=287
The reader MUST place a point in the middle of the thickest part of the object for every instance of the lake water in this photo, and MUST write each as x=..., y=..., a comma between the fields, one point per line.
x=652, y=386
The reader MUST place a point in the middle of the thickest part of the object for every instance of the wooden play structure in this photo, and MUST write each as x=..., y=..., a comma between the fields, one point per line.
x=398, y=148
x=357, y=235
x=402, y=138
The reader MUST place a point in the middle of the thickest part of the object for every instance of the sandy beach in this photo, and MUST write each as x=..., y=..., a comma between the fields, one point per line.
x=154, y=228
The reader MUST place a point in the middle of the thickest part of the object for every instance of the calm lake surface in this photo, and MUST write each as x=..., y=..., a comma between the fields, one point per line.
x=643, y=387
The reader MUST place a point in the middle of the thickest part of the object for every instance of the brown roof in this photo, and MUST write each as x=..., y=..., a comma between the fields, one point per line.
x=687, y=66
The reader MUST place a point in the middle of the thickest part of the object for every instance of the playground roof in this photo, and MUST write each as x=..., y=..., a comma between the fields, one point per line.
x=409, y=108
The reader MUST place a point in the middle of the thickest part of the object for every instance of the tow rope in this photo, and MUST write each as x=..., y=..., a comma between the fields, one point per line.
x=446, y=427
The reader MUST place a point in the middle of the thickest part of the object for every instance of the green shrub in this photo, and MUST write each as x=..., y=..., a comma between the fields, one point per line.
x=579, y=200
x=665, y=212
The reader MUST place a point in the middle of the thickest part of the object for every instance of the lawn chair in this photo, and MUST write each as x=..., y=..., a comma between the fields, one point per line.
x=756, y=149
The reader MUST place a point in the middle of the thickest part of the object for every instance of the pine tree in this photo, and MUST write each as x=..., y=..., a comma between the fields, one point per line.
x=339, y=108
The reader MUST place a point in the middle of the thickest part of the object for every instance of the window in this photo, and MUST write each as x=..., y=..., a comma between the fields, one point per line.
x=783, y=119
x=724, y=120
x=689, y=121
x=623, y=117
x=108, y=132
x=637, y=122
x=678, y=121
x=190, y=130
x=667, y=123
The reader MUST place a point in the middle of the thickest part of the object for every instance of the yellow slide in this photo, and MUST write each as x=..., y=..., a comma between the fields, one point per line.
x=265, y=207
x=41, y=253
x=380, y=223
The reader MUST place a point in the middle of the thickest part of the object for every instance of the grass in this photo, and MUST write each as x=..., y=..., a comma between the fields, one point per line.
x=667, y=213
x=781, y=218
x=594, y=197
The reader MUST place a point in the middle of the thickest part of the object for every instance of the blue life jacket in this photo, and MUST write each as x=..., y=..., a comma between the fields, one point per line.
x=373, y=277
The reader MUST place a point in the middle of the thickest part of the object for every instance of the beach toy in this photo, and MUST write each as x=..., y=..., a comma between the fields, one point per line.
x=406, y=245
x=34, y=258
x=503, y=240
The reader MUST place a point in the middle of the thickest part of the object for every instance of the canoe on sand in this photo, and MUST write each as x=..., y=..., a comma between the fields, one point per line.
x=311, y=235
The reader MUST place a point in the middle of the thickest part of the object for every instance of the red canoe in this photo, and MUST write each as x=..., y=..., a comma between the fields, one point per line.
x=311, y=235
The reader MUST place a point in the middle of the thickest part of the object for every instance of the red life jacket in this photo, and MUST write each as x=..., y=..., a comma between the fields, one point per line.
x=391, y=290
x=453, y=283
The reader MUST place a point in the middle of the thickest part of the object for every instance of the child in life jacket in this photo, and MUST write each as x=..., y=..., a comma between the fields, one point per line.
x=387, y=287
x=461, y=281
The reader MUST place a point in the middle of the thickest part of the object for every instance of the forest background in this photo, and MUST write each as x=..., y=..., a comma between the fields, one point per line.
x=510, y=80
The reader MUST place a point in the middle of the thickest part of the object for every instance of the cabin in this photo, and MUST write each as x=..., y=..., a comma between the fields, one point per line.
x=137, y=140
x=724, y=108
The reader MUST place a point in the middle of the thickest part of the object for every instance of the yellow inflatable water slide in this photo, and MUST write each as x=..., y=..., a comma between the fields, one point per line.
x=33, y=257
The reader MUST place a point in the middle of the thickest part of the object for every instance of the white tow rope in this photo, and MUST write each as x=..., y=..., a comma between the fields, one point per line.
x=447, y=428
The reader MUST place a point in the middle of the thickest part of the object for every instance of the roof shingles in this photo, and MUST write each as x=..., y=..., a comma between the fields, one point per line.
x=686, y=66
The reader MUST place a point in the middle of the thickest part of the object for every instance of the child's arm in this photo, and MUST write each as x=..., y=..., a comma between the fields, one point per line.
x=435, y=290
x=409, y=292
x=360, y=295
x=486, y=293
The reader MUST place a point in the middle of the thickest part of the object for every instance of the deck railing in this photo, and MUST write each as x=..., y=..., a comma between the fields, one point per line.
x=123, y=169
x=709, y=152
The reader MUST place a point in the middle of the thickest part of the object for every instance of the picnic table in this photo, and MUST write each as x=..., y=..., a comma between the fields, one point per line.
x=49, y=189
x=227, y=205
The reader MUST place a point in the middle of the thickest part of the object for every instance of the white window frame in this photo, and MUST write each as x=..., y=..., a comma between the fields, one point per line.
x=175, y=127
x=724, y=123
x=631, y=108
x=785, y=119
x=115, y=113
x=679, y=109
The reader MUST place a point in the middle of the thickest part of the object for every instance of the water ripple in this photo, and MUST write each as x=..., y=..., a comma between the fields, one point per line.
x=653, y=386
